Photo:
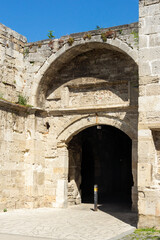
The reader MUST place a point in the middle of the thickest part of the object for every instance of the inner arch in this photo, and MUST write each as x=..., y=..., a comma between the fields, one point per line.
x=100, y=155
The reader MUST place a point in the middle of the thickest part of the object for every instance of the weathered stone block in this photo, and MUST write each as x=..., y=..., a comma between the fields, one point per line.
x=156, y=67
x=151, y=24
x=144, y=174
x=40, y=178
x=147, y=101
x=152, y=90
x=150, y=2
x=145, y=69
x=154, y=40
x=143, y=41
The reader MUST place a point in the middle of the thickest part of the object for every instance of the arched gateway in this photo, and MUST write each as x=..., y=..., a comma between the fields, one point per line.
x=98, y=149
x=81, y=87
x=100, y=155
x=76, y=85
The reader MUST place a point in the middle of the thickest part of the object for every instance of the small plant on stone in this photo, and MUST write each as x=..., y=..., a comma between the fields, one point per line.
x=87, y=35
x=39, y=45
x=103, y=36
x=120, y=31
x=1, y=96
x=26, y=52
x=22, y=100
x=50, y=34
x=98, y=27
x=136, y=36
x=70, y=41
x=4, y=210
x=108, y=34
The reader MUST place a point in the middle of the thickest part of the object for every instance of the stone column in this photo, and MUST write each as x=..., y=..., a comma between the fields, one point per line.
x=64, y=97
x=62, y=182
x=149, y=112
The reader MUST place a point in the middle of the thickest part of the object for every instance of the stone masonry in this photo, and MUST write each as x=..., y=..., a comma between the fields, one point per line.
x=149, y=114
x=102, y=77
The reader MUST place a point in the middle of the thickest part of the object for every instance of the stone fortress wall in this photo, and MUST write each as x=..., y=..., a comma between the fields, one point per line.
x=71, y=86
x=28, y=139
x=12, y=67
x=149, y=109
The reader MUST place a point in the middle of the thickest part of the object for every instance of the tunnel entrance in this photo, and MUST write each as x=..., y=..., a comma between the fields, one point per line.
x=100, y=155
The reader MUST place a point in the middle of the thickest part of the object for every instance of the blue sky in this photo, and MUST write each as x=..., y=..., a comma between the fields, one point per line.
x=34, y=18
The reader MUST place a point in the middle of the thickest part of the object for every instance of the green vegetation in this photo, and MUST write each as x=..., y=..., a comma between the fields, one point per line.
x=152, y=230
x=4, y=210
x=70, y=41
x=136, y=36
x=141, y=234
x=26, y=52
x=50, y=34
x=108, y=34
x=87, y=35
x=103, y=36
x=23, y=101
x=98, y=27
x=39, y=45
x=1, y=96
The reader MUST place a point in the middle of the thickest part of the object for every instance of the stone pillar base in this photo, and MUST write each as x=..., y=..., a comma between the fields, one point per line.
x=61, y=194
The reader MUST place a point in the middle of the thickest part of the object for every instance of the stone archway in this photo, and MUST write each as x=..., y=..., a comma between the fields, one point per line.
x=72, y=130
x=83, y=85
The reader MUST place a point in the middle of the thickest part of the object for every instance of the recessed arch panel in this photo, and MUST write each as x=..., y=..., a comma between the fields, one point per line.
x=67, y=53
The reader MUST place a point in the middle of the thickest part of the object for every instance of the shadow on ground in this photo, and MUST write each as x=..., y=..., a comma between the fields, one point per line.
x=121, y=211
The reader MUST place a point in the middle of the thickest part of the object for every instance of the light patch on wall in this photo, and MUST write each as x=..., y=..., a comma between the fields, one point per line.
x=28, y=135
x=26, y=153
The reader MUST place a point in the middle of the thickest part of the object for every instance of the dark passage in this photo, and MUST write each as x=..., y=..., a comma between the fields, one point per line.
x=106, y=161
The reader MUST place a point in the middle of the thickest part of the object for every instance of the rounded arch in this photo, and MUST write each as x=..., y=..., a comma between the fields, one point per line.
x=101, y=155
x=67, y=133
x=71, y=129
x=66, y=53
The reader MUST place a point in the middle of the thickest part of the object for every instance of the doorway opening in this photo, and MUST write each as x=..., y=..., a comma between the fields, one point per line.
x=100, y=155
